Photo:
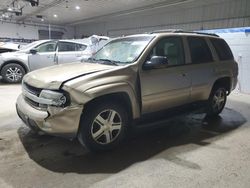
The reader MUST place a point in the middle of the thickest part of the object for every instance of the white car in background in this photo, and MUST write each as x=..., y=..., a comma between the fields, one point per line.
x=44, y=53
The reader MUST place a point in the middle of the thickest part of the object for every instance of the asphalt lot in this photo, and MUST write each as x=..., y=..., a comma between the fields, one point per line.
x=189, y=151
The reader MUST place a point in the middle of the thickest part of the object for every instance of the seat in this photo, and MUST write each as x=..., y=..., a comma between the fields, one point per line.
x=173, y=55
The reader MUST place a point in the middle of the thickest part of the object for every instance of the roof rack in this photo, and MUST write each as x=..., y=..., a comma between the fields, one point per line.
x=181, y=31
x=167, y=31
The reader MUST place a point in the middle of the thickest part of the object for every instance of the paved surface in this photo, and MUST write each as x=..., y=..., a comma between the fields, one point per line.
x=189, y=151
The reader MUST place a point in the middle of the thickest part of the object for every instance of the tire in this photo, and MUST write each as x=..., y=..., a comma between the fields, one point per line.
x=103, y=126
x=217, y=101
x=12, y=73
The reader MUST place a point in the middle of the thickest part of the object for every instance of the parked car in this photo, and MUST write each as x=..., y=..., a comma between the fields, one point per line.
x=43, y=53
x=129, y=78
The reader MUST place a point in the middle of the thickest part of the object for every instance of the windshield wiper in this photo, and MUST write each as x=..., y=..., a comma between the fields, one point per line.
x=107, y=61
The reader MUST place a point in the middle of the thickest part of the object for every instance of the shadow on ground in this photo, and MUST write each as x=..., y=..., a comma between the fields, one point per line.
x=3, y=83
x=189, y=132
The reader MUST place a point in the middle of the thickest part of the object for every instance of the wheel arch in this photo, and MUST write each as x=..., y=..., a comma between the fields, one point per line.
x=16, y=62
x=119, y=97
x=223, y=81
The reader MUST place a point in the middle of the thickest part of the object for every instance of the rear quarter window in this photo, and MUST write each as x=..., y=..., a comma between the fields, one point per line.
x=222, y=49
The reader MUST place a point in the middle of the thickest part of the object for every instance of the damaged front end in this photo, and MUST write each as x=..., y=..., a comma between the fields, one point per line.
x=49, y=111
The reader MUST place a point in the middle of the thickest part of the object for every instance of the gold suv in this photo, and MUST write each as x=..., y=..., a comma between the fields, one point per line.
x=133, y=76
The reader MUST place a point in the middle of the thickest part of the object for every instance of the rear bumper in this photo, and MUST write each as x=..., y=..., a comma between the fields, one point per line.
x=234, y=83
x=55, y=121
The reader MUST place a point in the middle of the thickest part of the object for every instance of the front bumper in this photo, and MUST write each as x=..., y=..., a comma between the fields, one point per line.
x=55, y=121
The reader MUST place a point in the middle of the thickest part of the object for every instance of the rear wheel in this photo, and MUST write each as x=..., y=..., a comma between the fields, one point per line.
x=12, y=73
x=217, y=101
x=103, y=126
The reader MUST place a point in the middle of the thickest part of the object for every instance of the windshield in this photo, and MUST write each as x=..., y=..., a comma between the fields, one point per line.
x=123, y=51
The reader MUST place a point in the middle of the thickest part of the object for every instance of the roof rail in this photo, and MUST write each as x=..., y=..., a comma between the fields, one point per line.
x=182, y=31
x=167, y=31
x=200, y=33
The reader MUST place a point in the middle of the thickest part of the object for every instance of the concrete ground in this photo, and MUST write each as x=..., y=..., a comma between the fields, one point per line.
x=190, y=151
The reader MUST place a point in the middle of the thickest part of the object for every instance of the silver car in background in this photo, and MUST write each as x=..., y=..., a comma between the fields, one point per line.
x=44, y=53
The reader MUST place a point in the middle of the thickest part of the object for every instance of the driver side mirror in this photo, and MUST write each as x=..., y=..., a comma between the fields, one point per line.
x=33, y=51
x=156, y=62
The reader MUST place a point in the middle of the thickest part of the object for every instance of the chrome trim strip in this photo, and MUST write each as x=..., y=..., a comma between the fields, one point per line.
x=37, y=99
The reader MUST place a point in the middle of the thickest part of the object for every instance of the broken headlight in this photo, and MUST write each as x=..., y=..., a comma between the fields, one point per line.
x=55, y=98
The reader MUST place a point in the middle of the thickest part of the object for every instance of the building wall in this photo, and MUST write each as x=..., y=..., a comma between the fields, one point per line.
x=192, y=15
x=12, y=30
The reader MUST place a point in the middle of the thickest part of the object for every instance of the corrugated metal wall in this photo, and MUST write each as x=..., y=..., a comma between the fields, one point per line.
x=192, y=15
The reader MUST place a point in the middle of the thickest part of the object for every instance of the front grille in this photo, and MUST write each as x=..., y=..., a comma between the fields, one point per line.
x=31, y=102
x=34, y=91
x=31, y=89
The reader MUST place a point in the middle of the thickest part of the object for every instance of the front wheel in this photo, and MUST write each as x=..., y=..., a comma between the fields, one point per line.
x=103, y=126
x=217, y=101
x=12, y=73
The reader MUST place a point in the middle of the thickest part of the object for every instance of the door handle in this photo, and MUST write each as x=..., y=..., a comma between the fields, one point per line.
x=183, y=74
x=78, y=55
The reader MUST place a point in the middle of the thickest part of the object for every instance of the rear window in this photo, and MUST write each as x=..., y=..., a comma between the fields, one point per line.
x=200, y=52
x=222, y=49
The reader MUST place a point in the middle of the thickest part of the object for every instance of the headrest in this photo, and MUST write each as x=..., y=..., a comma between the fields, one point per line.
x=172, y=51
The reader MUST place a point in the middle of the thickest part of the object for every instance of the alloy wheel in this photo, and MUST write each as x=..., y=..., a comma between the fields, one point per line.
x=106, y=126
x=14, y=74
x=219, y=99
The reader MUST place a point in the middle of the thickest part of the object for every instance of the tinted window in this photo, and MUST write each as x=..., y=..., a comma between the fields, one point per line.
x=80, y=47
x=47, y=47
x=66, y=47
x=200, y=52
x=171, y=48
x=222, y=49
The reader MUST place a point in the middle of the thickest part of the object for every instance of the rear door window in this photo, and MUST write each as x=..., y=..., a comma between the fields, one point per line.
x=222, y=49
x=200, y=52
x=66, y=47
x=80, y=47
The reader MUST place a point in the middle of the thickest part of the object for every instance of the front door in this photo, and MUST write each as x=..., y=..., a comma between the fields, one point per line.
x=44, y=57
x=168, y=86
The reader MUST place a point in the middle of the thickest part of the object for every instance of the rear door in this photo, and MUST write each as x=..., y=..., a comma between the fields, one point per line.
x=44, y=57
x=69, y=52
x=201, y=67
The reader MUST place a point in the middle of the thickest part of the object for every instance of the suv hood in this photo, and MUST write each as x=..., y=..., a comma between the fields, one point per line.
x=53, y=77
